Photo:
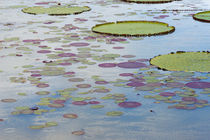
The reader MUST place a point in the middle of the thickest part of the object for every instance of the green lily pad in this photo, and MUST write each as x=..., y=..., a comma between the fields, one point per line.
x=97, y=106
x=202, y=16
x=183, y=61
x=36, y=126
x=114, y=113
x=149, y=1
x=133, y=28
x=56, y=10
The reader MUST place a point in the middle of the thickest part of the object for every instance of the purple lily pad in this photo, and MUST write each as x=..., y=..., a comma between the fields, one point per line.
x=135, y=84
x=166, y=94
x=66, y=54
x=79, y=103
x=192, y=99
x=101, y=90
x=129, y=104
x=107, y=65
x=65, y=64
x=118, y=39
x=131, y=65
x=79, y=44
x=44, y=51
x=118, y=47
x=83, y=86
x=42, y=85
x=126, y=74
x=36, y=75
x=101, y=82
x=198, y=85
x=154, y=84
x=59, y=101
x=94, y=102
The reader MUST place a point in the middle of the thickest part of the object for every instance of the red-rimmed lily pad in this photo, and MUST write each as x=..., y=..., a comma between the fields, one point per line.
x=79, y=103
x=133, y=28
x=198, y=85
x=129, y=104
x=126, y=74
x=83, y=85
x=78, y=133
x=94, y=102
x=79, y=44
x=8, y=100
x=167, y=94
x=42, y=93
x=101, y=82
x=67, y=55
x=136, y=84
x=76, y=80
x=42, y=85
x=71, y=116
x=107, y=65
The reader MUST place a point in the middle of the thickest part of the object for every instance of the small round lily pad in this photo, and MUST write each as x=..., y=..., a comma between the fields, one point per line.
x=114, y=113
x=42, y=93
x=72, y=116
x=183, y=61
x=149, y=1
x=198, y=85
x=36, y=126
x=133, y=28
x=129, y=104
x=202, y=16
x=56, y=10
x=78, y=133
x=8, y=100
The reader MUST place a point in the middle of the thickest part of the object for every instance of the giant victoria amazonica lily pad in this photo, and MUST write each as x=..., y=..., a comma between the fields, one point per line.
x=202, y=16
x=56, y=10
x=183, y=61
x=133, y=28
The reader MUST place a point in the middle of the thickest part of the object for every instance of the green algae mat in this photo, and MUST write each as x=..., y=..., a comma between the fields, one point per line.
x=133, y=28
x=56, y=10
x=149, y=1
x=183, y=61
x=202, y=16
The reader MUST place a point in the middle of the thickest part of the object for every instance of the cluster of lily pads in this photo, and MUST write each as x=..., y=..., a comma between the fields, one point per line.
x=179, y=86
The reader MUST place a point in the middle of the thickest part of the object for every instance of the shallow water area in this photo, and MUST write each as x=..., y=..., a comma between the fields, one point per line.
x=55, y=65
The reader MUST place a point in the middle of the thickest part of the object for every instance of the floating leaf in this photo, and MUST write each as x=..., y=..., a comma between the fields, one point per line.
x=183, y=61
x=133, y=28
x=114, y=113
x=56, y=10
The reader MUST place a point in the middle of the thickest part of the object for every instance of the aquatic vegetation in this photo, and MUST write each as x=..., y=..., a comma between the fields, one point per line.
x=133, y=28
x=202, y=16
x=149, y=1
x=183, y=61
x=56, y=10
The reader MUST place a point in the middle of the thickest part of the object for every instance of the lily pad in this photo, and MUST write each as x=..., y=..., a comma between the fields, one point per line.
x=183, y=61
x=72, y=116
x=8, y=100
x=198, y=85
x=129, y=104
x=149, y=1
x=133, y=28
x=114, y=113
x=202, y=16
x=56, y=10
